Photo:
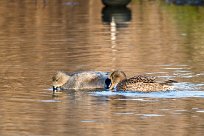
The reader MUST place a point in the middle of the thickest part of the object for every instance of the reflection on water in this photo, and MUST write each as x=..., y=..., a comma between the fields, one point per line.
x=187, y=2
x=121, y=15
x=41, y=36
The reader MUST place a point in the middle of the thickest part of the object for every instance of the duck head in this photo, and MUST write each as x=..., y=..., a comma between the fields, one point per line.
x=116, y=77
x=59, y=79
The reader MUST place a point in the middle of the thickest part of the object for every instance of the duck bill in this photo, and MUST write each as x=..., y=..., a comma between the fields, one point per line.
x=111, y=87
x=56, y=88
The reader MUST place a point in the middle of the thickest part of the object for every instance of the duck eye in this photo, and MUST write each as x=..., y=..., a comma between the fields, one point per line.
x=54, y=79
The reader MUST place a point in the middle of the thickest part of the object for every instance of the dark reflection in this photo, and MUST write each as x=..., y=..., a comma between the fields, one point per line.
x=116, y=2
x=116, y=18
x=119, y=15
x=187, y=2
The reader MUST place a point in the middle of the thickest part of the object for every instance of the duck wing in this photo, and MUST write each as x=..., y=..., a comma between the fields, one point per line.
x=131, y=82
x=141, y=78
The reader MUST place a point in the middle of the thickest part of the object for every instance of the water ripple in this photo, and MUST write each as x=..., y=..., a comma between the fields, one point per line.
x=49, y=101
x=169, y=94
x=150, y=115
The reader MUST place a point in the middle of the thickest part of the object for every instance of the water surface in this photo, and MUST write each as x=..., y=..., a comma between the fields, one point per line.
x=39, y=37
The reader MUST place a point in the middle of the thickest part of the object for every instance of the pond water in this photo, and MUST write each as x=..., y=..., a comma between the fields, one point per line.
x=39, y=37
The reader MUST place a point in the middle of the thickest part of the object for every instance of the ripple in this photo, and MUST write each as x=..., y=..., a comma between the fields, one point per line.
x=164, y=109
x=49, y=101
x=139, y=99
x=180, y=110
x=150, y=115
x=200, y=74
x=71, y=3
x=200, y=111
x=174, y=68
x=124, y=113
x=49, y=89
x=169, y=94
x=88, y=121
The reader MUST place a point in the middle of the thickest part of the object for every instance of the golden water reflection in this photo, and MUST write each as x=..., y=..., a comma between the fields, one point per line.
x=39, y=37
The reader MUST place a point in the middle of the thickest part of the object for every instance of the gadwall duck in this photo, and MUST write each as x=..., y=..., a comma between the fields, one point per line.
x=80, y=80
x=140, y=83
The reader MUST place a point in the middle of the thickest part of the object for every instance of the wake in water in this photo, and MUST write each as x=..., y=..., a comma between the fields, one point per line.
x=181, y=90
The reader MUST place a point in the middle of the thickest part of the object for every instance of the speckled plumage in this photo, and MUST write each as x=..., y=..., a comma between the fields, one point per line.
x=140, y=83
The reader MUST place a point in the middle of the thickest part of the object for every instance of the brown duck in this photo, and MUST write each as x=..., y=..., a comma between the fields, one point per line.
x=80, y=80
x=140, y=83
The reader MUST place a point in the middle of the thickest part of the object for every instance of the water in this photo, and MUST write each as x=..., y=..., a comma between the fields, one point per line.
x=39, y=37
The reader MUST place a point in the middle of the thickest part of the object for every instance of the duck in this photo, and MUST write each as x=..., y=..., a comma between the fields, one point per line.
x=138, y=83
x=80, y=80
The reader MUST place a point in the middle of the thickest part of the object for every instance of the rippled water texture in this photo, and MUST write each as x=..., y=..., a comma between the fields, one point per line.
x=159, y=38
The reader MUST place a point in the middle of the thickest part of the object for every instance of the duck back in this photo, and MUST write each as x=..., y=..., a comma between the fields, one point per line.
x=86, y=80
x=142, y=83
